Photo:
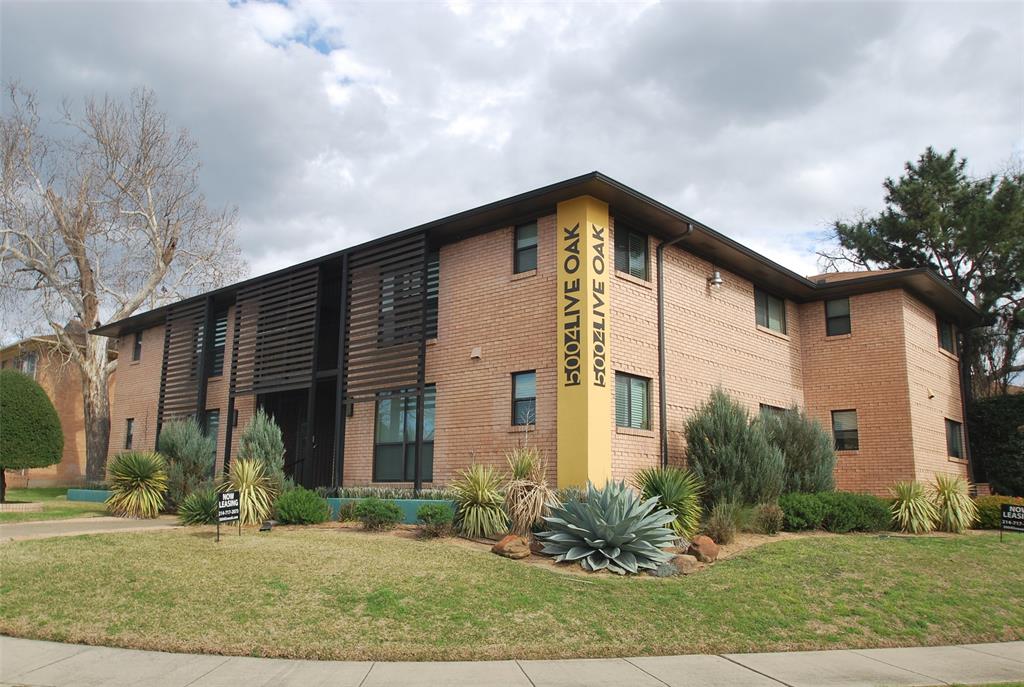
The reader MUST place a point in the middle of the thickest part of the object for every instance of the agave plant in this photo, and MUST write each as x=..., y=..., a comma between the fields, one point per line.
x=478, y=500
x=527, y=494
x=956, y=509
x=911, y=509
x=679, y=490
x=138, y=481
x=255, y=490
x=199, y=507
x=613, y=529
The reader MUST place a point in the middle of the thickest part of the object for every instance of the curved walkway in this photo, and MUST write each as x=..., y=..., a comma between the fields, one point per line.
x=29, y=662
x=69, y=527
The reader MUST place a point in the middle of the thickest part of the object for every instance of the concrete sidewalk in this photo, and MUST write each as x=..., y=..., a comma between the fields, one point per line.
x=69, y=527
x=28, y=662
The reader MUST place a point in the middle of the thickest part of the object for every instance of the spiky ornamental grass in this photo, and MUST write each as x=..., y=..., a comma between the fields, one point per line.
x=138, y=481
x=912, y=511
x=199, y=507
x=479, y=502
x=256, y=492
x=613, y=529
x=679, y=490
x=956, y=509
x=527, y=494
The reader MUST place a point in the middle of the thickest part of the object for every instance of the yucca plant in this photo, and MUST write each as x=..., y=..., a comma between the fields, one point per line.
x=527, y=494
x=912, y=511
x=255, y=490
x=956, y=509
x=138, y=481
x=613, y=529
x=199, y=507
x=679, y=490
x=478, y=499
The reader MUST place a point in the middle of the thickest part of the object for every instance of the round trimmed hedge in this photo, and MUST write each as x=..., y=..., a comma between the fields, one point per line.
x=32, y=436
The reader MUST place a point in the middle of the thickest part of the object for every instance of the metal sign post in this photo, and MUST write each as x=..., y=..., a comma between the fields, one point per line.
x=227, y=510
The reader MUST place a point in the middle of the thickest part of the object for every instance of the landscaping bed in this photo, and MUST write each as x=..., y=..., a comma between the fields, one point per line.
x=55, y=505
x=331, y=592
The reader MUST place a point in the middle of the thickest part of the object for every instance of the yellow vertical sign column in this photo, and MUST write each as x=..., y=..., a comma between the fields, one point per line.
x=585, y=258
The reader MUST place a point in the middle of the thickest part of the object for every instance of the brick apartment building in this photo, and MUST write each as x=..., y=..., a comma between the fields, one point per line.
x=583, y=317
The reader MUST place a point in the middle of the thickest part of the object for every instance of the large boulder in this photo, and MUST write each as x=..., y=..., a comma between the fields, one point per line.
x=512, y=546
x=704, y=549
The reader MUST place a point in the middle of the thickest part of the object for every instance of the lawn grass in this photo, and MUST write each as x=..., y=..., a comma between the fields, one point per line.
x=55, y=505
x=327, y=593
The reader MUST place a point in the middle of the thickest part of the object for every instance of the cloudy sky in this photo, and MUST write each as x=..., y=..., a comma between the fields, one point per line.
x=328, y=124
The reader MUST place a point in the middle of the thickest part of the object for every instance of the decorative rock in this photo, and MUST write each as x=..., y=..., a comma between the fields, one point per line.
x=704, y=549
x=512, y=546
x=665, y=570
x=686, y=564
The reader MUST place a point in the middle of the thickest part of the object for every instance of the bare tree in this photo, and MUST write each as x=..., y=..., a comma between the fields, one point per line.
x=99, y=222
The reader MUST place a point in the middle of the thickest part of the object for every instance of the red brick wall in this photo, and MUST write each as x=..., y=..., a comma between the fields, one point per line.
x=139, y=387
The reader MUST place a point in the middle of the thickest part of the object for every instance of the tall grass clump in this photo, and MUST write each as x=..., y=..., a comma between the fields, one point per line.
x=731, y=455
x=190, y=456
x=912, y=510
x=955, y=508
x=807, y=450
x=479, y=502
x=724, y=520
x=256, y=492
x=678, y=490
x=138, y=481
x=527, y=494
x=199, y=507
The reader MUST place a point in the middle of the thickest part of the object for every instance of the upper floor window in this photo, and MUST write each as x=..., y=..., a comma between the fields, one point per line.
x=954, y=439
x=631, y=252
x=771, y=311
x=137, y=347
x=26, y=363
x=524, y=398
x=947, y=336
x=220, y=336
x=129, y=433
x=837, y=317
x=526, y=248
x=632, y=401
x=844, y=430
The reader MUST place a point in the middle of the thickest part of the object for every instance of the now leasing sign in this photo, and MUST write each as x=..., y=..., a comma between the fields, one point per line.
x=585, y=258
x=1011, y=518
x=227, y=506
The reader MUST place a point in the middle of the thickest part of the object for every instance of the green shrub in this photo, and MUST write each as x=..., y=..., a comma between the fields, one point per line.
x=199, y=507
x=435, y=519
x=189, y=454
x=767, y=518
x=801, y=512
x=724, y=521
x=377, y=514
x=848, y=512
x=347, y=512
x=807, y=450
x=912, y=510
x=479, y=502
x=256, y=493
x=990, y=510
x=138, y=481
x=394, y=493
x=678, y=490
x=300, y=506
x=956, y=511
x=261, y=440
x=732, y=455
x=32, y=436
x=996, y=431
x=614, y=529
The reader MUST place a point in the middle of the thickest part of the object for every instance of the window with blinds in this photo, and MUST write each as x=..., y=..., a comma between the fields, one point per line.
x=771, y=311
x=632, y=401
x=844, y=430
x=631, y=252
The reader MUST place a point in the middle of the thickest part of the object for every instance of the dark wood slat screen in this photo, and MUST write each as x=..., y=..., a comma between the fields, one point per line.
x=180, y=374
x=386, y=323
x=275, y=322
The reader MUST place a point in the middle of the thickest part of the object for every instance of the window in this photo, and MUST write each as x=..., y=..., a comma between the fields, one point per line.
x=947, y=336
x=129, y=432
x=837, y=317
x=213, y=428
x=772, y=410
x=524, y=398
x=631, y=252
x=394, y=454
x=400, y=301
x=137, y=347
x=954, y=439
x=26, y=363
x=631, y=401
x=844, y=430
x=771, y=311
x=220, y=335
x=526, y=247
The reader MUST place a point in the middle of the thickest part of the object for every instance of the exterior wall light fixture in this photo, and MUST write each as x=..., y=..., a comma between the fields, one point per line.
x=715, y=281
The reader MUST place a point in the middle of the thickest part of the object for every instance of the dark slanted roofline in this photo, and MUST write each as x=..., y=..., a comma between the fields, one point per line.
x=630, y=207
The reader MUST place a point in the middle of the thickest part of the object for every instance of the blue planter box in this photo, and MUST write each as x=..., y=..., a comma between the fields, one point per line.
x=408, y=506
x=91, y=495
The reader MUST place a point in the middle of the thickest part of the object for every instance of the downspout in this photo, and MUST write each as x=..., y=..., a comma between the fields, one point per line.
x=662, y=392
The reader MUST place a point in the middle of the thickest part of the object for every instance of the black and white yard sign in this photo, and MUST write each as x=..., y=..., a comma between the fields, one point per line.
x=227, y=506
x=1011, y=517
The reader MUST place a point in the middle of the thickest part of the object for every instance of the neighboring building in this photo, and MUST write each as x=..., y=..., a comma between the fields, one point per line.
x=40, y=358
x=543, y=312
